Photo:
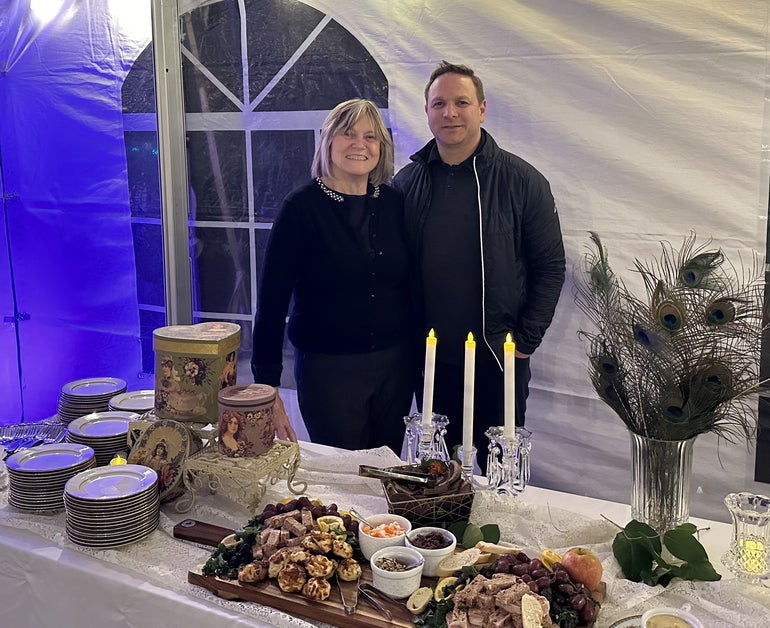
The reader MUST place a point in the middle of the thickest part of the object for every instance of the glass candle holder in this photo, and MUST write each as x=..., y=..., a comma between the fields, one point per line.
x=508, y=460
x=426, y=442
x=749, y=554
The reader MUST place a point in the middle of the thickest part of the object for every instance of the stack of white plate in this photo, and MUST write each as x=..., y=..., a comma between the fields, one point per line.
x=84, y=396
x=140, y=401
x=37, y=476
x=112, y=506
x=105, y=432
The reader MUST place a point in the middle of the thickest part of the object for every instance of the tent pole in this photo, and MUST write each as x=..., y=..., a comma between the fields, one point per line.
x=173, y=161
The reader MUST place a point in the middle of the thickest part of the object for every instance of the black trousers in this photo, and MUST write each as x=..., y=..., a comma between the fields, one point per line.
x=356, y=401
x=488, y=401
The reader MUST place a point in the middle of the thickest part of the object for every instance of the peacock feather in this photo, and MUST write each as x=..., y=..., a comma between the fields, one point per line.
x=684, y=359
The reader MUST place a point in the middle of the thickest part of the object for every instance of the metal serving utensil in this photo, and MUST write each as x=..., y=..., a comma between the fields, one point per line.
x=398, y=475
x=349, y=603
x=370, y=594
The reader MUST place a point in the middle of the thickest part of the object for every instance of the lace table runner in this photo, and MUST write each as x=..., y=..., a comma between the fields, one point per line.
x=334, y=478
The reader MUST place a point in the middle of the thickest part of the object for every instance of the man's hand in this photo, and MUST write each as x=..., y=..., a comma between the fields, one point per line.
x=519, y=354
x=283, y=427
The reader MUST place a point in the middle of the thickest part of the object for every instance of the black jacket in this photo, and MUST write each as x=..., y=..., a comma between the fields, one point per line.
x=521, y=244
x=348, y=298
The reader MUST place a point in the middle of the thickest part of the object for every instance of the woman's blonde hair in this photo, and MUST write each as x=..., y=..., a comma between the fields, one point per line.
x=340, y=120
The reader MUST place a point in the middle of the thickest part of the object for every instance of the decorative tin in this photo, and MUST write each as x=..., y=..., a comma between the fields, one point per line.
x=246, y=426
x=192, y=363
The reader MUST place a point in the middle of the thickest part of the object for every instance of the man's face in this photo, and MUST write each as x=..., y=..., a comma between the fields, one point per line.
x=455, y=113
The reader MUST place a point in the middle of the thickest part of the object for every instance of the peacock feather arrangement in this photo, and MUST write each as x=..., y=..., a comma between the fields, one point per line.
x=684, y=360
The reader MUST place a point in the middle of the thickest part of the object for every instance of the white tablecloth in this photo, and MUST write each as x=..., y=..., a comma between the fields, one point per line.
x=45, y=580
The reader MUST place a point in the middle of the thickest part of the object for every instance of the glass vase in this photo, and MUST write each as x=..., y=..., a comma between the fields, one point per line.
x=660, y=481
x=749, y=554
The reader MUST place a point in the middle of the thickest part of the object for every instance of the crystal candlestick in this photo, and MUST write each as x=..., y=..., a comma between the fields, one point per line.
x=508, y=464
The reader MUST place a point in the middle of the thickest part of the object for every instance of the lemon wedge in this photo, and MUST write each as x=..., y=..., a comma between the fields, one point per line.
x=330, y=522
x=445, y=589
x=549, y=557
x=419, y=600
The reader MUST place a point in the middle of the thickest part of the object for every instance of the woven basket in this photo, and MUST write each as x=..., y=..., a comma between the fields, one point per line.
x=439, y=510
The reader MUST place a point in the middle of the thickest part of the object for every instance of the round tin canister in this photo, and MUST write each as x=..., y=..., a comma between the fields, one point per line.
x=246, y=426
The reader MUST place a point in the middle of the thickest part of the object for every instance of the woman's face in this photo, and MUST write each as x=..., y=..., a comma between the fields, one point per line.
x=355, y=153
x=232, y=425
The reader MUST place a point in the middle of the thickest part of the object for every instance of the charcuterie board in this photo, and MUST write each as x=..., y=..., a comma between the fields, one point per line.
x=269, y=593
x=329, y=611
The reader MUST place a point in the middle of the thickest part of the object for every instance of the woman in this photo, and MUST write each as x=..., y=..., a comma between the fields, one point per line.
x=232, y=441
x=337, y=247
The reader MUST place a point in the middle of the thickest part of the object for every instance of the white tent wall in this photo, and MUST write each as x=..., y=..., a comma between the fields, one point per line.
x=648, y=118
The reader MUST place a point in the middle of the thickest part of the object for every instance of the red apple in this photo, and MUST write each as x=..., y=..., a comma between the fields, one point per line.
x=583, y=566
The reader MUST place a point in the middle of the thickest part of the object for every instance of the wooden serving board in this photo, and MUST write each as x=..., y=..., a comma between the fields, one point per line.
x=269, y=593
x=329, y=611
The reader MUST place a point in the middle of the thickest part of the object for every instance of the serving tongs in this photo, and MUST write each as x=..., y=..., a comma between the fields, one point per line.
x=348, y=596
x=413, y=477
x=370, y=594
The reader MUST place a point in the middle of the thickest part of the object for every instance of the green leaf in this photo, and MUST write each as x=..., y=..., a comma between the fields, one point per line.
x=638, y=531
x=633, y=556
x=491, y=532
x=682, y=544
x=638, y=547
x=472, y=535
x=699, y=571
x=458, y=529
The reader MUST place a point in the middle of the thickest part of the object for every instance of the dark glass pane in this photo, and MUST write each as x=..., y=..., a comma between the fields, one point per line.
x=149, y=321
x=148, y=252
x=218, y=175
x=334, y=68
x=143, y=173
x=221, y=270
x=212, y=35
x=275, y=32
x=138, y=91
x=282, y=162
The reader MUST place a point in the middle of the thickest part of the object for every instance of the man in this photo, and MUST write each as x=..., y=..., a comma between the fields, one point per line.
x=484, y=231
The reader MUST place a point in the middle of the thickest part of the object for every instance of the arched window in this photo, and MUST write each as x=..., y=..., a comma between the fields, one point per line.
x=259, y=78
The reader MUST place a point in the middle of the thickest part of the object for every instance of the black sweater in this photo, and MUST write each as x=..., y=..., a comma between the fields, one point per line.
x=351, y=292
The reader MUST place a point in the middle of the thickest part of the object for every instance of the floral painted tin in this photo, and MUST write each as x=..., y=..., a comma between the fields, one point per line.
x=246, y=426
x=192, y=364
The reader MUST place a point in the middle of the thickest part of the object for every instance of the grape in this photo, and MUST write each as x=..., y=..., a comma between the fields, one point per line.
x=543, y=582
x=589, y=612
x=304, y=502
x=567, y=589
x=533, y=587
x=537, y=573
x=501, y=567
x=526, y=578
x=332, y=509
x=346, y=519
x=354, y=526
x=578, y=602
x=522, y=557
x=290, y=505
x=520, y=569
x=558, y=567
x=317, y=511
x=535, y=563
x=560, y=577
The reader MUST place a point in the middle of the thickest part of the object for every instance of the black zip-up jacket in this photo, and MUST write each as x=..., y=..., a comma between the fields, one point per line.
x=522, y=253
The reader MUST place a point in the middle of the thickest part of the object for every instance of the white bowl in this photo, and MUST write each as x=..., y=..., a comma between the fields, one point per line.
x=432, y=556
x=397, y=584
x=680, y=613
x=370, y=544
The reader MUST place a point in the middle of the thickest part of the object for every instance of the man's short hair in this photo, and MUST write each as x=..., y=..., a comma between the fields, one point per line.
x=445, y=67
